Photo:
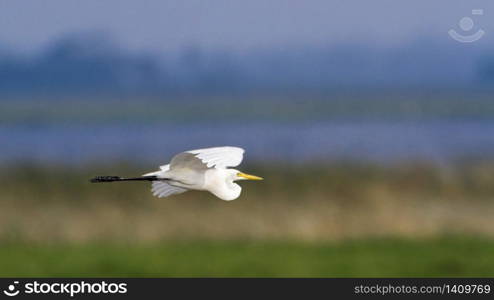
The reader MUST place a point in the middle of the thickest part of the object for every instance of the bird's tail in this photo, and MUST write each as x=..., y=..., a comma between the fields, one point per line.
x=117, y=178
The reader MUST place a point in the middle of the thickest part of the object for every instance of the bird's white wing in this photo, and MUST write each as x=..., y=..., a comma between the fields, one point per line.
x=219, y=157
x=163, y=189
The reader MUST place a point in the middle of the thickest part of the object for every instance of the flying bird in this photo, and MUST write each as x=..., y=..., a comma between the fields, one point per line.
x=202, y=169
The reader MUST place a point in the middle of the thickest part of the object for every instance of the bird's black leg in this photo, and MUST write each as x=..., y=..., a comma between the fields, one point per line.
x=117, y=178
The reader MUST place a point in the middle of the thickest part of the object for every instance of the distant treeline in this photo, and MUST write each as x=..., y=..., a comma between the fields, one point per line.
x=92, y=64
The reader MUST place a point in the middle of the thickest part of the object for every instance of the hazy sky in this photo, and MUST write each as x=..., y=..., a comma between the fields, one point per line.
x=235, y=25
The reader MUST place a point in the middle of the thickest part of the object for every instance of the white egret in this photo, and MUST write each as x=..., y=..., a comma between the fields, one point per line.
x=202, y=169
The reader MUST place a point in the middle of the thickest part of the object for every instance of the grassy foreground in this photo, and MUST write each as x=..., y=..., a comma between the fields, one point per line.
x=451, y=256
x=333, y=220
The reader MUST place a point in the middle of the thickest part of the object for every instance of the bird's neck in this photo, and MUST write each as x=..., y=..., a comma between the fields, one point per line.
x=231, y=192
x=221, y=187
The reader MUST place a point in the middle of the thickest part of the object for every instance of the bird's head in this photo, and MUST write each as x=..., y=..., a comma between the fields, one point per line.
x=237, y=175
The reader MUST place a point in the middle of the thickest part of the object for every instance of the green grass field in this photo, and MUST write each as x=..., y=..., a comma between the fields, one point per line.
x=451, y=256
x=326, y=221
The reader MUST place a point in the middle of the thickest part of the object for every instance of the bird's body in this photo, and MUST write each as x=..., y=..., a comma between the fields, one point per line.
x=202, y=169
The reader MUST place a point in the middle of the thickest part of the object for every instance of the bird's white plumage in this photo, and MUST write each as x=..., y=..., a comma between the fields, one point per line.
x=220, y=157
x=163, y=189
x=163, y=168
x=202, y=169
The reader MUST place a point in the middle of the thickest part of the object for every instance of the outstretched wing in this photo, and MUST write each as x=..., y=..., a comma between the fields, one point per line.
x=219, y=157
x=163, y=189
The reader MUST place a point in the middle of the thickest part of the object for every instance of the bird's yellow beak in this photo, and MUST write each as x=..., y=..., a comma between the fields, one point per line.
x=248, y=176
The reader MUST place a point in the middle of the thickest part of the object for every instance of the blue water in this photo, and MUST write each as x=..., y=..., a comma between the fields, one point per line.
x=437, y=141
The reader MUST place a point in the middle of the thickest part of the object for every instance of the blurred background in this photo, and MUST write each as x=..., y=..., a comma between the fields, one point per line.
x=372, y=125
